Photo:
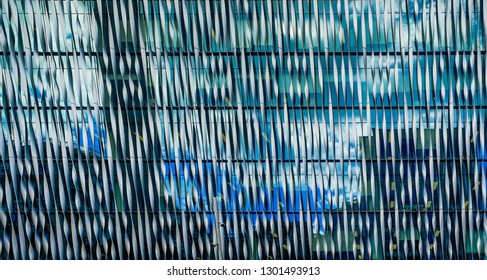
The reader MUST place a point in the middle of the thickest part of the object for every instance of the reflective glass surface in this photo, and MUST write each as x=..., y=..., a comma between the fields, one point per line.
x=243, y=129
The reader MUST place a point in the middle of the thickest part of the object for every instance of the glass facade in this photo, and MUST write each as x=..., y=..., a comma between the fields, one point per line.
x=243, y=129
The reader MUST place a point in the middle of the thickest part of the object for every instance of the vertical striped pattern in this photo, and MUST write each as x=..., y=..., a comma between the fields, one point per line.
x=243, y=129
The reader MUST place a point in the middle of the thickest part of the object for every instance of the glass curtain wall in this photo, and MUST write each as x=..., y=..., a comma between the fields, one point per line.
x=243, y=129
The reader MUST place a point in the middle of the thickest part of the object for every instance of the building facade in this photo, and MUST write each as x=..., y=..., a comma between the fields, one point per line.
x=243, y=129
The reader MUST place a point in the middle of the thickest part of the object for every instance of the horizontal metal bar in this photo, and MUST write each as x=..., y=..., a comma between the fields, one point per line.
x=340, y=212
x=238, y=52
x=323, y=107
x=271, y=160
